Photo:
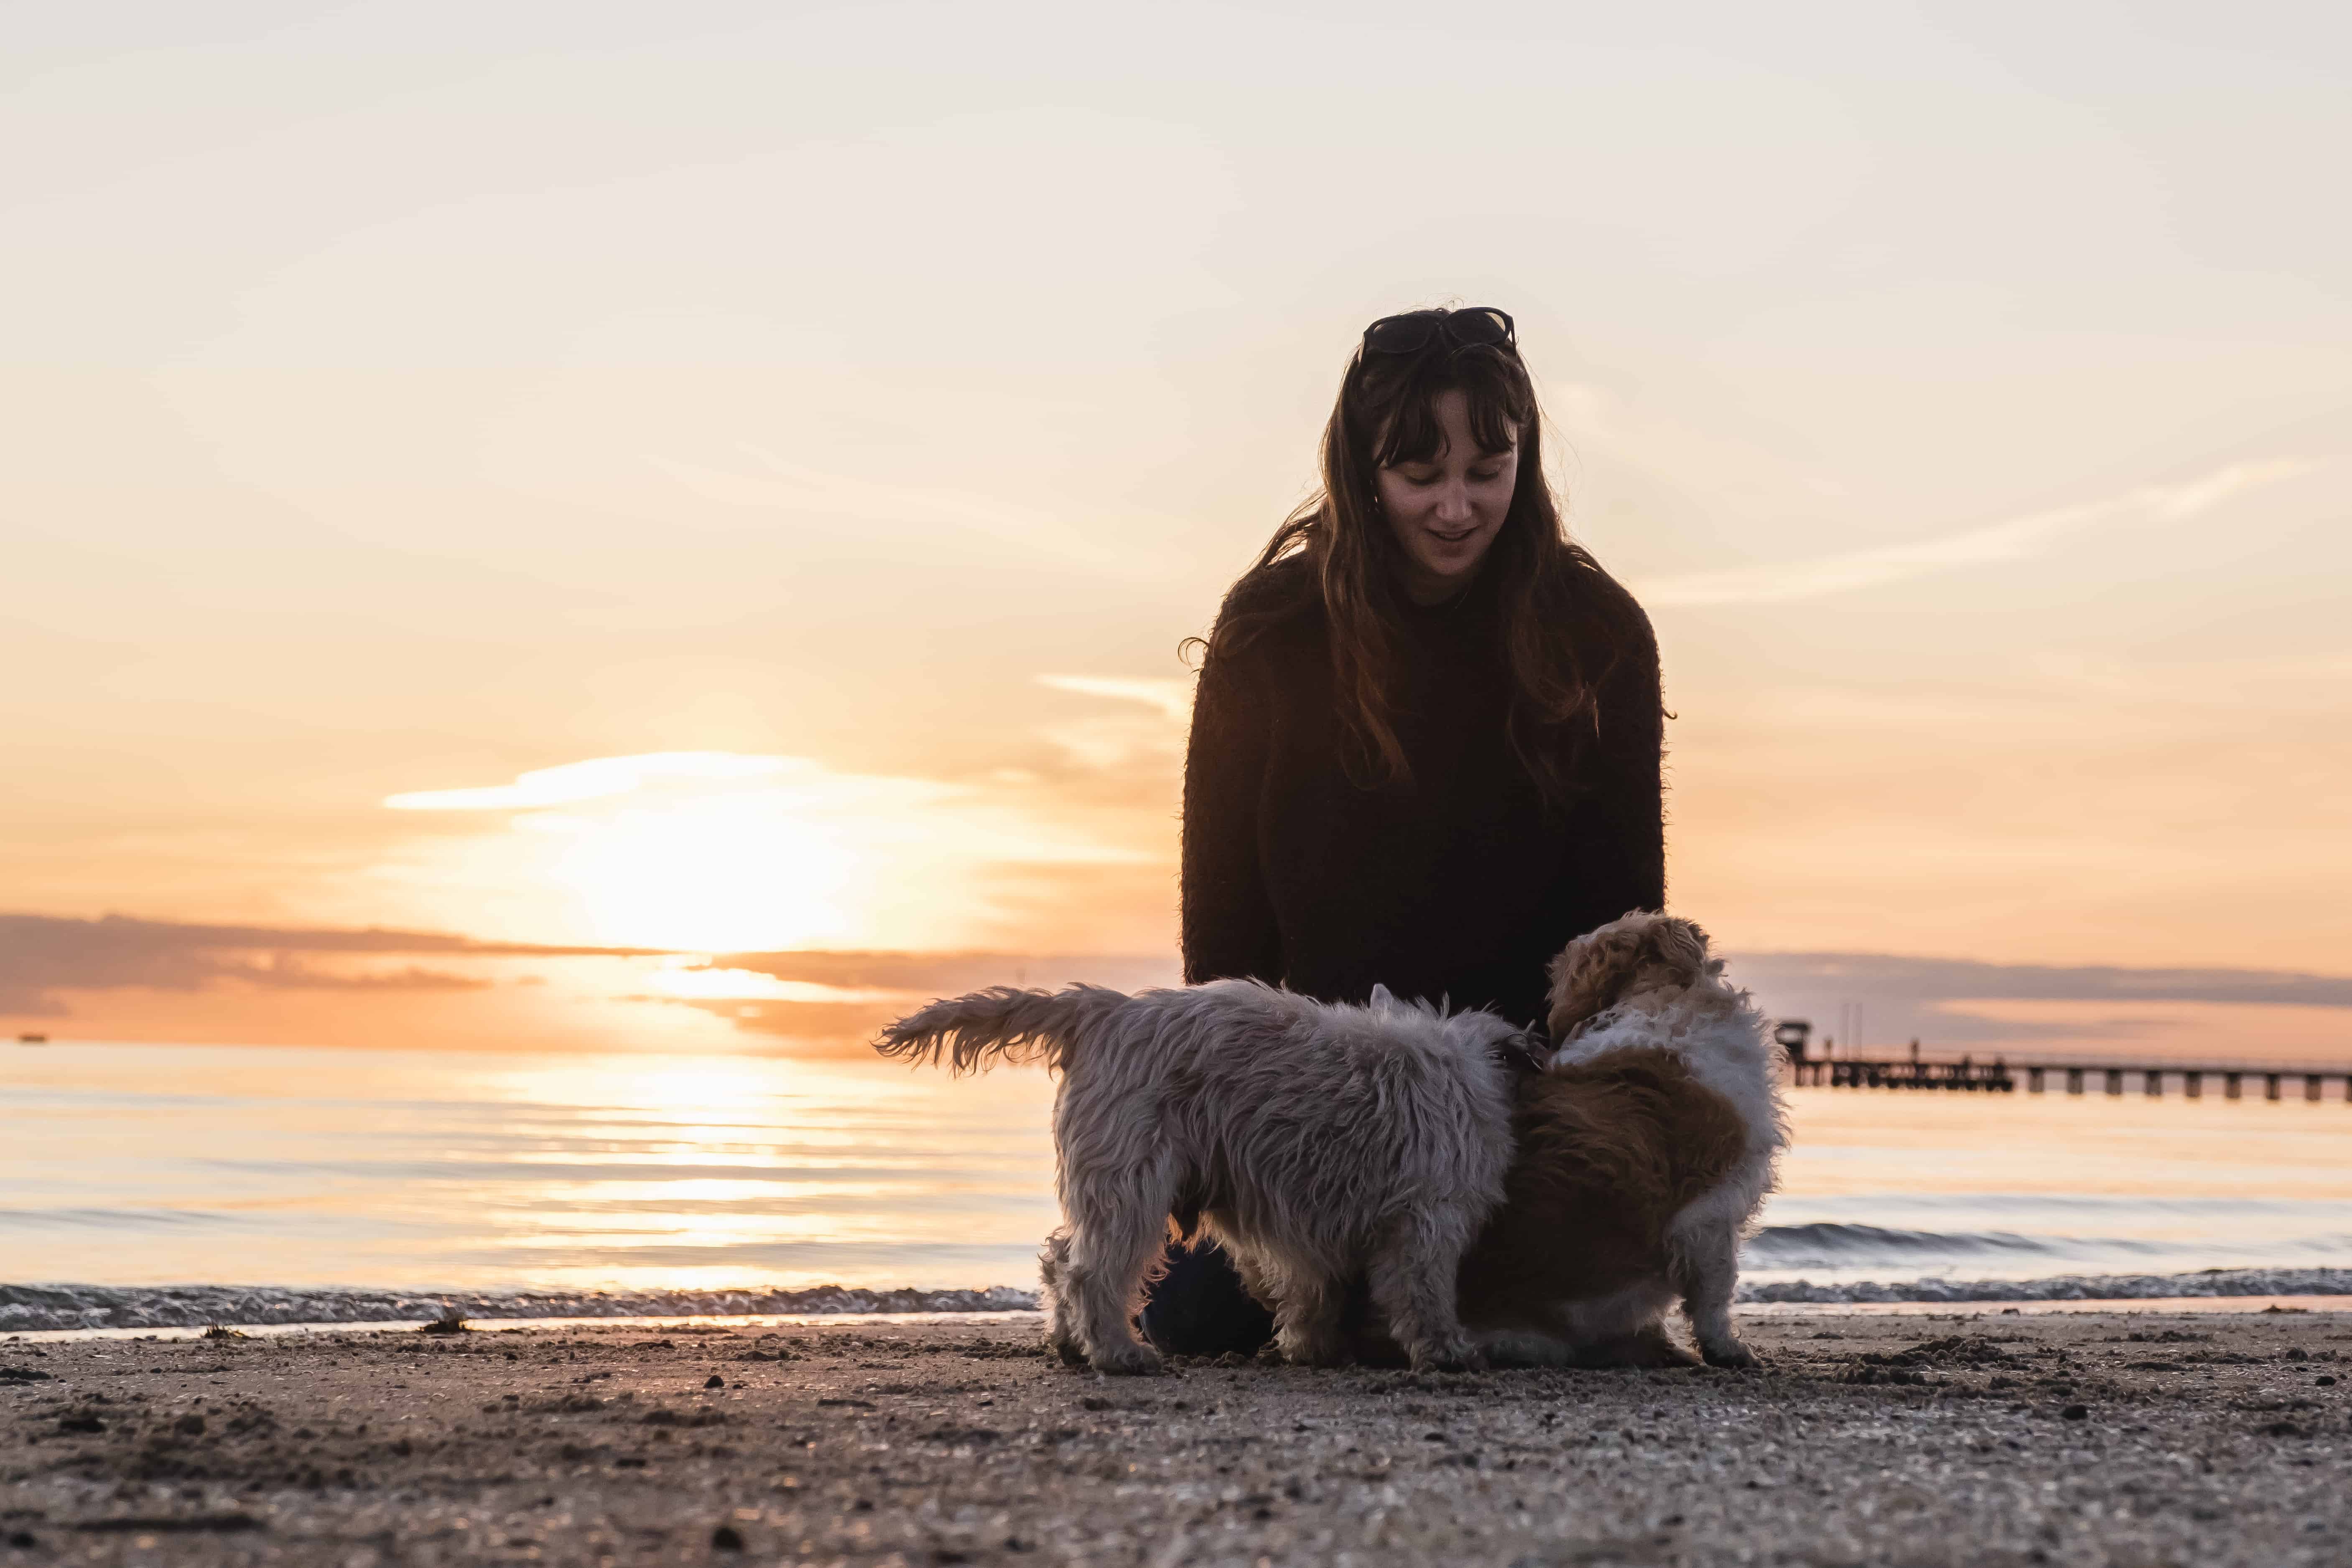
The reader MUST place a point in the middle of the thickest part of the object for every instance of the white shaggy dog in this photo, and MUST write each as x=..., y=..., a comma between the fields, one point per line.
x=1318, y=1143
x=1644, y=1149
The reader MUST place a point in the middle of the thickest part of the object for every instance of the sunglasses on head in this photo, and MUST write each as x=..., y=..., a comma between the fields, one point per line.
x=1478, y=326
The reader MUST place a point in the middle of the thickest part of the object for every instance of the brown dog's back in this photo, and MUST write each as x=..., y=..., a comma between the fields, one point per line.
x=1608, y=1153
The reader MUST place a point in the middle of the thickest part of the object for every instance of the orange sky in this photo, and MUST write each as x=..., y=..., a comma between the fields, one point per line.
x=736, y=480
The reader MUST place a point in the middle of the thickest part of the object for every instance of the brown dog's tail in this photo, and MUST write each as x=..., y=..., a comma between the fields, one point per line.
x=974, y=1032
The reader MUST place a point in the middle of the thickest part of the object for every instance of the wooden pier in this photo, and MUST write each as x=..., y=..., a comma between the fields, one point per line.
x=2002, y=1077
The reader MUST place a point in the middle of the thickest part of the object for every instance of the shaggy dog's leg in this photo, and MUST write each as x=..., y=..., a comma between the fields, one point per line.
x=1061, y=1329
x=1706, y=1272
x=1307, y=1305
x=1644, y=1346
x=1118, y=1229
x=1268, y=1282
x=1413, y=1280
x=1655, y=1347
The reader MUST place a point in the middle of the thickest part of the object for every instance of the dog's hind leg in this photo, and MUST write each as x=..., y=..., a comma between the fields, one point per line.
x=1706, y=1272
x=1307, y=1302
x=1413, y=1282
x=1053, y=1270
x=1115, y=1237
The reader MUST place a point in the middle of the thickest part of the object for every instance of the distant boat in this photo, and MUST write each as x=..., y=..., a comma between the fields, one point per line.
x=32, y=1039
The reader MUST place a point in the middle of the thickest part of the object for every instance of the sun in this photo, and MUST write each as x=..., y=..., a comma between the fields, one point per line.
x=717, y=873
x=722, y=852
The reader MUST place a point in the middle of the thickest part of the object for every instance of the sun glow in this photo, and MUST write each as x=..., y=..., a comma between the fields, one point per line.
x=692, y=979
x=715, y=851
x=718, y=871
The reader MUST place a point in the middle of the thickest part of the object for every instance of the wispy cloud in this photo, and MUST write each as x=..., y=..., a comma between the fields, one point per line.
x=2017, y=538
x=1953, y=1002
x=1881, y=973
x=1172, y=697
x=41, y=955
x=596, y=779
x=1114, y=741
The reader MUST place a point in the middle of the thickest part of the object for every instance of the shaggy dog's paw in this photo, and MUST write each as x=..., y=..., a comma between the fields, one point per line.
x=1127, y=1361
x=1448, y=1355
x=1068, y=1351
x=1302, y=1351
x=1734, y=1354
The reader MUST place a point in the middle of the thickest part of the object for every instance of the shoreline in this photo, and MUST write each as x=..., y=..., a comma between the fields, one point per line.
x=2120, y=1307
x=54, y=1308
x=1945, y=1438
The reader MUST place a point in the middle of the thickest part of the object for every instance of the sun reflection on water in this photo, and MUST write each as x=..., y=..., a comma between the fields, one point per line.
x=420, y=1170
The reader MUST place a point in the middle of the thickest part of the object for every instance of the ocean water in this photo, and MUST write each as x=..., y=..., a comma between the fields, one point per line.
x=165, y=1184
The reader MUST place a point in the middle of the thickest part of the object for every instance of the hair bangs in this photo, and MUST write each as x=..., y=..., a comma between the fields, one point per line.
x=1501, y=404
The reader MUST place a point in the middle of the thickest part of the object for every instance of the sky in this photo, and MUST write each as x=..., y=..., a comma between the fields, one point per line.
x=733, y=480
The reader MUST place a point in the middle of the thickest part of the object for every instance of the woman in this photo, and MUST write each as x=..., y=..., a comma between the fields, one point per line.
x=1425, y=744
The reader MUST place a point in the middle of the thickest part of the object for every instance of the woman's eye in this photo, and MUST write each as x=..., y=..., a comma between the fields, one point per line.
x=1488, y=476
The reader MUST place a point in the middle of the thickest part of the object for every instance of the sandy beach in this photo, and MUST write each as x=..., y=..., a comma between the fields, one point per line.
x=1960, y=1437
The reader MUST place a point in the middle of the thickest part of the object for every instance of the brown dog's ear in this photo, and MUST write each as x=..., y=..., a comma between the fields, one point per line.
x=1591, y=972
x=1681, y=945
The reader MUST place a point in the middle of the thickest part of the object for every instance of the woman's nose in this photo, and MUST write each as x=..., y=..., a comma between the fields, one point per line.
x=1453, y=504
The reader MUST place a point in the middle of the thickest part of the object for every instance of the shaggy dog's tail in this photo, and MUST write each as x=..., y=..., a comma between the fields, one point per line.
x=975, y=1031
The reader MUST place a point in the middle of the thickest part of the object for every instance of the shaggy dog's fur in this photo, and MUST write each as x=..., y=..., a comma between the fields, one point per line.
x=1317, y=1143
x=1644, y=1149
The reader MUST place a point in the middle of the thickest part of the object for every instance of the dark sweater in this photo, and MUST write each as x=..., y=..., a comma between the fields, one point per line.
x=1462, y=886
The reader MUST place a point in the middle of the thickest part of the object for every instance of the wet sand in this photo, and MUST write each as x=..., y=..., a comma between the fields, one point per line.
x=1956, y=1438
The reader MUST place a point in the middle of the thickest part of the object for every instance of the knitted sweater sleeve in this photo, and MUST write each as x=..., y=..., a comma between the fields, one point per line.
x=1229, y=930
x=1619, y=864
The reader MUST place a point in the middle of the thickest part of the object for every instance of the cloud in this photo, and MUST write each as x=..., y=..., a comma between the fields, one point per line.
x=1171, y=696
x=1954, y=978
x=41, y=955
x=595, y=779
x=2018, y=538
x=923, y=975
x=849, y=995
x=1105, y=741
x=1940, y=1000
x=807, y=995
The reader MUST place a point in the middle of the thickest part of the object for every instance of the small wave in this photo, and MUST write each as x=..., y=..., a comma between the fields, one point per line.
x=2068, y=1287
x=34, y=1308
x=1825, y=1243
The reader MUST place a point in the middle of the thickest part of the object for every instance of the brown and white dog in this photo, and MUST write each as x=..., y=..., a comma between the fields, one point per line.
x=1645, y=1148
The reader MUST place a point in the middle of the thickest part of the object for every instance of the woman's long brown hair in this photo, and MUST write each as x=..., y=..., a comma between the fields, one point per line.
x=1387, y=413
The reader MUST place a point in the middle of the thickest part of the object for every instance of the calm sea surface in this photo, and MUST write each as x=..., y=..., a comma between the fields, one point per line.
x=139, y=1165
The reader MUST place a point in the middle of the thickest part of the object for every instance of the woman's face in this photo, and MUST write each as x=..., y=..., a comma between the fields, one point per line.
x=1446, y=512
